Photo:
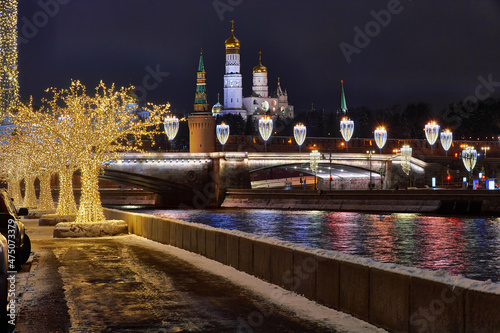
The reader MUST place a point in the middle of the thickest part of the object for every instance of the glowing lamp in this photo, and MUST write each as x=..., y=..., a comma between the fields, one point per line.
x=446, y=140
x=222, y=131
x=406, y=152
x=314, y=157
x=380, y=135
x=432, y=132
x=469, y=157
x=346, y=128
x=299, y=133
x=171, y=124
x=265, y=129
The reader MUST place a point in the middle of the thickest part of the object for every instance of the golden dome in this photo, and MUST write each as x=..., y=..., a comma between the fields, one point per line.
x=260, y=68
x=232, y=42
x=216, y=109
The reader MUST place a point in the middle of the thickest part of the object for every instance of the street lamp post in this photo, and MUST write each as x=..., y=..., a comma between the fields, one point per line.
x=265, y=129
x=330, y=166
x=299, y=133
x=432, y=133
x=171, y=125
x=446, y=140
x=380, y=135
x=314, y=157
x=469, y=158
x=370, y=152
x=222, y=131
x=346, y=128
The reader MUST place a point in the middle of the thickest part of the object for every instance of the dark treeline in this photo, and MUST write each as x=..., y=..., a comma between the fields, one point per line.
x=479, y=120
x=466, y=120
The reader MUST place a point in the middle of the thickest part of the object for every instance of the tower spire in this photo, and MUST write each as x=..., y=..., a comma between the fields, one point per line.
x=343, y=104
x=200, y=100
x=201, y=67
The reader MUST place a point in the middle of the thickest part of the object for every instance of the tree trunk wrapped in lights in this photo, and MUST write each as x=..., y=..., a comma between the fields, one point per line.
x=90, y=201
x=14, y=186
x=66, y=204
x=95, y=129
x=45, y=201
x=29, y=191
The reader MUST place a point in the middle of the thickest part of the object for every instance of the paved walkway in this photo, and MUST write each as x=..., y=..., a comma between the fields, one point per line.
x=121, y=285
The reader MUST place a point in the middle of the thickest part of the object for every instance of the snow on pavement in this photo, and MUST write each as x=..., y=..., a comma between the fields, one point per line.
x=291, y=301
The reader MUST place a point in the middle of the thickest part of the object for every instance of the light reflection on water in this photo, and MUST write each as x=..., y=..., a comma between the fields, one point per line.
x=458, y=245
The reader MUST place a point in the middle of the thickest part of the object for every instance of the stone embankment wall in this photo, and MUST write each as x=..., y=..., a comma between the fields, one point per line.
x=393, y=297
x=376, y=201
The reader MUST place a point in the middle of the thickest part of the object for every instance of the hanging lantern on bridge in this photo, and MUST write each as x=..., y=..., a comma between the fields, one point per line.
x=346, y=128
x=171, y=124
x=406, y=152
x=446, y=140
x=222, y=134
x=431, y=133
x=380, y=135
x=299, y=133
x=265, y=129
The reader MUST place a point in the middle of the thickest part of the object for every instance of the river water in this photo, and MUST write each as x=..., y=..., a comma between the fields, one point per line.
x=468, y=246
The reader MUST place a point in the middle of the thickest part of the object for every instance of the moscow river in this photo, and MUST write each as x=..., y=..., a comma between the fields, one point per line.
x=468, y=246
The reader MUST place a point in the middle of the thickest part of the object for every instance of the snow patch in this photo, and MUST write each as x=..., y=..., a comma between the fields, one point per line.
x=91, y=229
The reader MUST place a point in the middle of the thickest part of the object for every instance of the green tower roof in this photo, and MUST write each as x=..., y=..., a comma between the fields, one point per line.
x=201, y=67
x=343, y=104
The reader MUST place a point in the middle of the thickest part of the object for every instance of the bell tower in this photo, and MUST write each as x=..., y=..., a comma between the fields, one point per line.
x=233, y=81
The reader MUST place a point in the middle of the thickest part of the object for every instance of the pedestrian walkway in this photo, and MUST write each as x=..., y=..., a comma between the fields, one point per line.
x=130, y=284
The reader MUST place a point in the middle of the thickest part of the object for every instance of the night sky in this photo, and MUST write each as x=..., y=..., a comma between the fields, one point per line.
x=424, y=51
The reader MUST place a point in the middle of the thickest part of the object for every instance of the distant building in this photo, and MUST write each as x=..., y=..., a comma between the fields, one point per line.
x=201, y=123
x=260, y=102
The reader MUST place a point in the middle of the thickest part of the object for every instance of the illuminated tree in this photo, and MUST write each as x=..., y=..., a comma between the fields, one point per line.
x=8, y=56
x=55, y=157
x=9, y=170
x=97, y=129
x=21, y=151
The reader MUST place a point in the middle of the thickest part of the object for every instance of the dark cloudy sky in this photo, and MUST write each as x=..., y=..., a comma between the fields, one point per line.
x=430, y=51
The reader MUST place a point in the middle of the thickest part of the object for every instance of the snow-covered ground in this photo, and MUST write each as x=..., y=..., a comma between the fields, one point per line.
x=297, y=304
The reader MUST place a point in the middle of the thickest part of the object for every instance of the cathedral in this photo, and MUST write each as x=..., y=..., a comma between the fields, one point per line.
x=260, y=102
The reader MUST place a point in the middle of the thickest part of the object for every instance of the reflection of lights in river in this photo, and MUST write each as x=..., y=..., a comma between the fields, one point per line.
x=464, y=246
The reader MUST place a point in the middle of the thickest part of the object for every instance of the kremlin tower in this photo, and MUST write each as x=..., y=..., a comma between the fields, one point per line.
x=233, y=86
x=201, y=122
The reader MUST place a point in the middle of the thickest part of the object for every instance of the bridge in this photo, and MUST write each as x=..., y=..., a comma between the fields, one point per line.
x=202, y=179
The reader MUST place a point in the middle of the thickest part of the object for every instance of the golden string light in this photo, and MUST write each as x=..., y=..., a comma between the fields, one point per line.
x=95, y=129
x=9, y=86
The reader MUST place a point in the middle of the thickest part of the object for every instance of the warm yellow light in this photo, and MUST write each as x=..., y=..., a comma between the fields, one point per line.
x=95, y=130
x=9, y=85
